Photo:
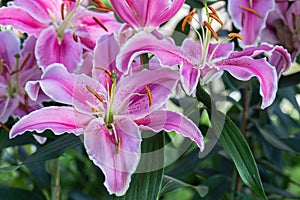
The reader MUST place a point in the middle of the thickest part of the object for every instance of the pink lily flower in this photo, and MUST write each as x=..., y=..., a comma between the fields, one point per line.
x=146, y=14
x=205, y=63
x=109, y=117
x=16, y=68
x=282, y=27
x=250, y=16
x=63, y=28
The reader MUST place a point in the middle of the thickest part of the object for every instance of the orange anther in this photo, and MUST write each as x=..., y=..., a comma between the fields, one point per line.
x=149, y=94
x=100, y=23
x=188, y=19
x=251, y=11
x=215, y=17
x=207, y=25
x=91, y=90
x=235, y=35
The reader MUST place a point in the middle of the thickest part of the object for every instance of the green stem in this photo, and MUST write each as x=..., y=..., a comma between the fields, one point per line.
x=55, y=182
x=144, y=59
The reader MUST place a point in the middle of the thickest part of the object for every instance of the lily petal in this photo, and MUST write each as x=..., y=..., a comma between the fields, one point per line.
x=150, y=90
x=250, y=24
x=159, y=120
x=149, y=13
x=40, y=9
x=67, y=88
x=164, y=49
x=21, y=20
x=244, y=68
x=117, y=161
x=58, y=119
x=9, y=47
x=49, y=50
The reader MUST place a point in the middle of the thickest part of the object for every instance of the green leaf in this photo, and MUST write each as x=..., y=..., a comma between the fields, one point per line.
x=146, y=186
x=238, y=149
x=272, y=138
x=235, y=145
x=54, y=149
x=171, y=184
x=10, y=193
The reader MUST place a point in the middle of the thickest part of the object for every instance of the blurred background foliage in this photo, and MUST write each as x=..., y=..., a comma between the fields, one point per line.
x=60, y=169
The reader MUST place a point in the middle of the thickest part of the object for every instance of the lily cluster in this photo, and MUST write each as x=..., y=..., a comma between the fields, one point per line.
x=88, y=61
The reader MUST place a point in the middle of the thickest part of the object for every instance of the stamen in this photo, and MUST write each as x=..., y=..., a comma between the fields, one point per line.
x=213, y=10
x=102, y=6
x=294, y=21
x=235, y=35
x=62, y=8
x=211, y=30
x=149, y=94
x=243, y=19
x=22, y=65
x=118, y=145
x=251, y=11
x=1, y=66
x=75, y=37
x=6, y=128
x=215, y=17
x=105, y=70
x=91, y=90
x=188, y=19
x=100, y=23
x=26, y=102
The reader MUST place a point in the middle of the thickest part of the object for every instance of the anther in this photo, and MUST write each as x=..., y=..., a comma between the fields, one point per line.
x=91, y=90
x=102, y=6
x=188, y=19
x=1, y=66
x=215, y=17
x=26, y=102
x=105, y=70
x=149, y=94
x=213, y=10
x=207, y=25
x=75, y=37
x=94, y=110
x=251, y=11
x=294, y=21
x=100, y=23
x=235, y=35
x=62, y=8
x=118, y=145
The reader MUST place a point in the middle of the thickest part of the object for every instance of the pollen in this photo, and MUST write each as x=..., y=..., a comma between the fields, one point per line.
x=235, y=35
x=100, y=23
x=213, y=10
x=188, y=19
x=1, y=66
x=149, y=94
x=251, y=11
x=207, y=25
x=91, y=90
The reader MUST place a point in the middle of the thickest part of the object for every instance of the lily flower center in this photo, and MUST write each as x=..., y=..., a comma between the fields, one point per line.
x=105, y=108
x=14, y=84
